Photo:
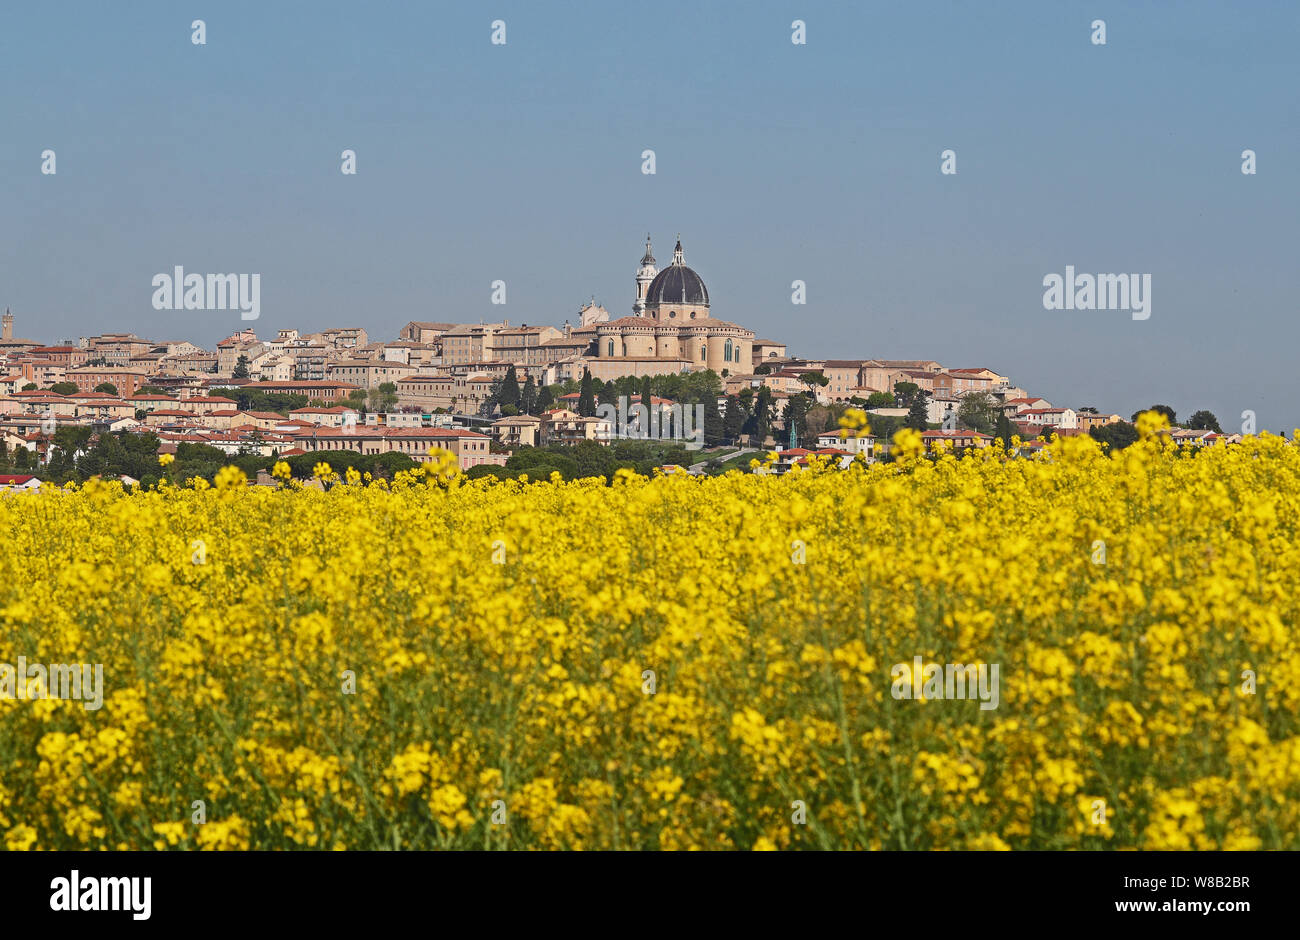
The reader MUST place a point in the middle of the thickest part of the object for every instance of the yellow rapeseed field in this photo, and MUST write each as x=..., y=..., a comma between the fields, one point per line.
x=668, y=663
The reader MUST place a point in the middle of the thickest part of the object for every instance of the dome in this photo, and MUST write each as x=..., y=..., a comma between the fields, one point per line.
x=677, y=284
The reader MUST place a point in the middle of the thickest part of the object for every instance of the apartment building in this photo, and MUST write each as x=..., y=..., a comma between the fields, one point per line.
x=958, y=382
x=367, y=374
x=126, y=381
x=470, y=447
x=565, y=427
x=69, y=357
x=468, y=342
x=315, y=391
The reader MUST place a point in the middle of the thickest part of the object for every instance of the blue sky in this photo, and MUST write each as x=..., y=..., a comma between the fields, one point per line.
x=776, y=162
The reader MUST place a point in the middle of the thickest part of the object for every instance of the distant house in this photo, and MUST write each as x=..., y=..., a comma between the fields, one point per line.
x=14, y=482
x=517, y=431
x=957, y=438
x=830, y=440
x=1064, y=418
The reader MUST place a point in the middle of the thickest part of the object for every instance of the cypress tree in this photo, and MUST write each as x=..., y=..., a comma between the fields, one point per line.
x=528, y=397
x=916, y=415
x=509, y=394
x=586, y=397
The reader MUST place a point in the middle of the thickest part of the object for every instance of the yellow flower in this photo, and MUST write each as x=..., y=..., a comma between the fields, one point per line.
x=230, y=477
x=854, y=423
x=664, y=663
x=908, y=443
x=1151, y=423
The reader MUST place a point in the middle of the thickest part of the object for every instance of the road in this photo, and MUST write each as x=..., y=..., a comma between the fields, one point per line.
x=735, y=453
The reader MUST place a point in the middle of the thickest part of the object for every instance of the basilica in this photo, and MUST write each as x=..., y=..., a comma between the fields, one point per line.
x=671, y=325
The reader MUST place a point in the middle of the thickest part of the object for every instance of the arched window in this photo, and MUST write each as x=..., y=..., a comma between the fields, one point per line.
x=726, y=352
x=611, y=348
x=704, y=353
x=625, y=350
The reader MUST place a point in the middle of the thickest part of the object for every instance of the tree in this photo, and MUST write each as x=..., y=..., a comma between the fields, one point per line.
x=1004, y=428
x=734, y=419
x=241, y=368
x=646, y=395
x=762, y=369
x=384, y=397
x=67, y=442
x=593, y=459
x=760, y=420
x=884, y=427
x=528, y=397
x=64, y=388
x=979, y=412
x=107, y=387
x=545, y=399
x=30, y=387
x=746, y=398
x=814, y=378
x=587, y=398
x=1118, y=435
x=509, y=394
x=796, y=415
x=823, y=418
x=1163, y=409
x=1204, y=421
x=880, y=400
x=917, y=415
x=905, y=392
x=714, y=426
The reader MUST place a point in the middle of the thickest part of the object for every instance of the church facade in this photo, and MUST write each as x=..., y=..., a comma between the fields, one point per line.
x=672, y=322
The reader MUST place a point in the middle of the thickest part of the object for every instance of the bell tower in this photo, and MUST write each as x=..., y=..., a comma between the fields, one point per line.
x=644, y=276
x=8, y=324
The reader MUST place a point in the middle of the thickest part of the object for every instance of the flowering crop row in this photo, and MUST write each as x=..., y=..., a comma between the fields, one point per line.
x=667, y=663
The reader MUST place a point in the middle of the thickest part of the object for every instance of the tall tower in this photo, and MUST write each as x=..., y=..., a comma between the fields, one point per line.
x=8, y=321
x=644, y=276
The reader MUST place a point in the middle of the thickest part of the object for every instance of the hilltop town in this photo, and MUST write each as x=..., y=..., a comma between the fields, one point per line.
x=482, y=391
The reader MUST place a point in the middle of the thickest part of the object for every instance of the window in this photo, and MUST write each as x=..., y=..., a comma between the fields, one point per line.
x=704, y=353
x=611, y=348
